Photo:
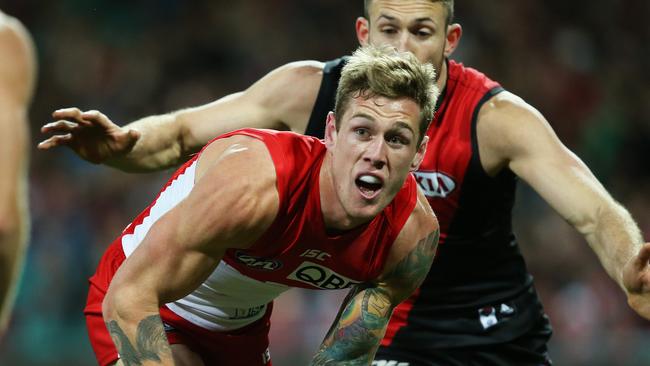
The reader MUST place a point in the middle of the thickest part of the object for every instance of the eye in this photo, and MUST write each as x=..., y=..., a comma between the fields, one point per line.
x=423, y=33
x=388, y=30
x=397, y=140
x=361, y=132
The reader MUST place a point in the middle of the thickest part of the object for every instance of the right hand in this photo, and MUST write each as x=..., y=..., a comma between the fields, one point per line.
x=90, y=134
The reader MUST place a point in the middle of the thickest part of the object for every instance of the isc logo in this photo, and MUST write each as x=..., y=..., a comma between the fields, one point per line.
x=435, y=184
x=321, y=277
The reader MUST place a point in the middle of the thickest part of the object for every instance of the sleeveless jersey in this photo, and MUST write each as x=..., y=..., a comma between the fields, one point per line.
x=478, y=290
x=296, y=250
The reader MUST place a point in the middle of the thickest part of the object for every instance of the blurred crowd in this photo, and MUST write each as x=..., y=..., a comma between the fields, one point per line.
x=583, y=63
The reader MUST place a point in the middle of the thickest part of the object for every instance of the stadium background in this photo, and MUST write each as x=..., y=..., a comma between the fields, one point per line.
x=583, y=63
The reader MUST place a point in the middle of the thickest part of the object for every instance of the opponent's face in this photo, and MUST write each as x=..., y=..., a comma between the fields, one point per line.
x=372, y=152
x=417, y=26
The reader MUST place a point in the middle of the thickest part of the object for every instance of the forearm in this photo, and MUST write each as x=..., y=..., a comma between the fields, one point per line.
x=614, y=237
x=14, y=232
x=136, y=328
x=160, y=145
x=361, y=325
x=13, y=241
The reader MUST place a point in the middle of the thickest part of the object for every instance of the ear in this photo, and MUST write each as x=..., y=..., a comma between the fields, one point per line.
x=454, y=32
x=419, y=155
x=363, y=30
x=330, y=131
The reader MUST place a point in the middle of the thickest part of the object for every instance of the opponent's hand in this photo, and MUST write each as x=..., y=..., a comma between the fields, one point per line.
x=90, y=134
x=636, y=279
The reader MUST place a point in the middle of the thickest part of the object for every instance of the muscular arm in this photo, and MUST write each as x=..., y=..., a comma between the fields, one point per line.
x=362, y=321
x=17, y=74
x=282, y=100
x=511, y=133
x=232, y=203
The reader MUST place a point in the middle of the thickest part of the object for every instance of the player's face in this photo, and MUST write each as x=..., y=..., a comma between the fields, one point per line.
x=417, y=26
x=372, y=152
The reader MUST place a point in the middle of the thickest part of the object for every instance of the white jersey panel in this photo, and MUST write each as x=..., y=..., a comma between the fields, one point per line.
x=227, y=300
x=169, y=197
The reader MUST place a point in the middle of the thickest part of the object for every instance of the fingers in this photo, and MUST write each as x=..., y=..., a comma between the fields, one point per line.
x=642, y=258
x=88, y=118
x=54, y=141
x=97, y=117
x=60, y=126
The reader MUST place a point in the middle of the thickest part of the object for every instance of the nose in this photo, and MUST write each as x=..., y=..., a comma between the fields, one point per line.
x=403, y=43
x=375, y=154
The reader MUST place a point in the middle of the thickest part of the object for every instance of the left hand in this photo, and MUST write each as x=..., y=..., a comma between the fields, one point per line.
x=636, y=279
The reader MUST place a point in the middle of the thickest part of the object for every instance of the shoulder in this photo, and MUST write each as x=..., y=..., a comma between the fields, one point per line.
x=421, y=224
x=507, y=127
x=301, y=72
x=18, y=66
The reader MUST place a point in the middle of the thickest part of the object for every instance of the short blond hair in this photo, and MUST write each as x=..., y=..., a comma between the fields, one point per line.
x=384, y=71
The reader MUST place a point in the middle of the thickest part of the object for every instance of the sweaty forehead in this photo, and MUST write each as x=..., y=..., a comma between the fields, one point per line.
x=407, y=10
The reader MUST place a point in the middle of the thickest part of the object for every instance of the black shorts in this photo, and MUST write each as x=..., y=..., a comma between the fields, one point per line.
x=528, y=350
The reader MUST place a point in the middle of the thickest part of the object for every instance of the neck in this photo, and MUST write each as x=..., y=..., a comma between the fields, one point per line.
x=444, y=74
x=334, y=215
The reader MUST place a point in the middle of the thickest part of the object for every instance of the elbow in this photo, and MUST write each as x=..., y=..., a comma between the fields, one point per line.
x=119, y=302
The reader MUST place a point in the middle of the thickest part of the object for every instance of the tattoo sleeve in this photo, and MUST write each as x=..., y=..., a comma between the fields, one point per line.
x=361, y=323
x=151, y=341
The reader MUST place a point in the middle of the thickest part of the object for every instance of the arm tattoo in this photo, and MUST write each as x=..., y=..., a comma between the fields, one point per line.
x=151, y=341
x=413, y=269
x=361, y=323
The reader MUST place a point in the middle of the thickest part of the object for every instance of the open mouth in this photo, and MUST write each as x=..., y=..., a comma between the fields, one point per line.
x=369, y=185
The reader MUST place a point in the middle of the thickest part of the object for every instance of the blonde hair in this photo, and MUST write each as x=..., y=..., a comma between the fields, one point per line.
x=384, y=71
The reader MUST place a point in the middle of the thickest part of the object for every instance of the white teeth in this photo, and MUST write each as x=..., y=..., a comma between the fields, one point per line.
x=370, y=179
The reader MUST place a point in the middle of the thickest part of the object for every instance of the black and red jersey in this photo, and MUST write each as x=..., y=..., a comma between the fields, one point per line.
x=478, y=290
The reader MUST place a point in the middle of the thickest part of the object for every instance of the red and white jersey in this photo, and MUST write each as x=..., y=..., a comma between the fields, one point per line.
x=296, y=250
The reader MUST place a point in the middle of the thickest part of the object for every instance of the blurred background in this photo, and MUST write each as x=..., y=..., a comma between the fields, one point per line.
x=583, y=63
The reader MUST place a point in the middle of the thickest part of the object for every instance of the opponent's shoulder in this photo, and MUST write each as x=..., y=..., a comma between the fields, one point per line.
x=508, y=127
x=506, y=120
x=506, y=107
x=287, y=94
x=297, y=73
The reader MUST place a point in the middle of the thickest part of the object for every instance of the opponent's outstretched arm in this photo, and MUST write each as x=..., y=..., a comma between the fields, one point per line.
x=361, y=323
x=281, y=100
x=17, y=78
x=513, y=133
x=233, y=202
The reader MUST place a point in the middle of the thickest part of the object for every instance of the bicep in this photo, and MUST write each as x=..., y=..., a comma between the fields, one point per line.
x=232, y=202
x=535, y=154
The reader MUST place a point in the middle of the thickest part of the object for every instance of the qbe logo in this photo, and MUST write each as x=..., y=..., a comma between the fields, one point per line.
x=435, y=184
x=321, y=277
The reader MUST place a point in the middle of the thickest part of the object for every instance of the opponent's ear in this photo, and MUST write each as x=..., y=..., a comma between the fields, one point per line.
x=363, y=30
x=330, y=131
x=454, y=32
x=419, y=155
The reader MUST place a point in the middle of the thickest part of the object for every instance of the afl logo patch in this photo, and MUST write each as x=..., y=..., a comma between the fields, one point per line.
x=264, y=264
x=435, y=184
